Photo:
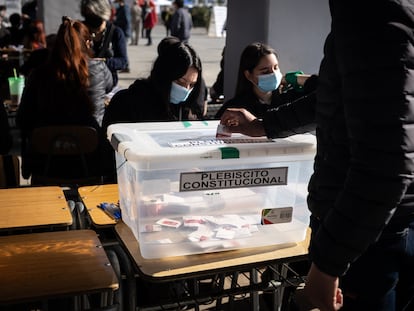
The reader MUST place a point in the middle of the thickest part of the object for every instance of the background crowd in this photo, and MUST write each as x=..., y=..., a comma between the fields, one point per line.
x=71, y=75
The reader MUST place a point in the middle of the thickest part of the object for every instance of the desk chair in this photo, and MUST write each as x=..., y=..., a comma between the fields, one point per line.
x=69, y=153
x=9, y=171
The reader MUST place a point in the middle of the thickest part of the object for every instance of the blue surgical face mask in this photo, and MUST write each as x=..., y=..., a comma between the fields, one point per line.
x=269, y=82
x=178, y=93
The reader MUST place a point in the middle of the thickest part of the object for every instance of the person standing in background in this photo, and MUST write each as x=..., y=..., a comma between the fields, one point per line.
x=4, y=20
x=123, y=17
x=35, y=38
x=166, y=19
x=16, y=31
x=4, y=24
x=29, y=9
x=181, y=22
x=109, y=42
x=136, y=20
x=150, y=19
x=143, y=5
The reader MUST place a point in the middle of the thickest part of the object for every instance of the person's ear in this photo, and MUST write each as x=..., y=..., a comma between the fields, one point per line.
x=248, y=75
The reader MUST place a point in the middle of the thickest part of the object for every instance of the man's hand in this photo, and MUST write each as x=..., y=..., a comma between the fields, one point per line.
x=322, y=290
x=239, y=120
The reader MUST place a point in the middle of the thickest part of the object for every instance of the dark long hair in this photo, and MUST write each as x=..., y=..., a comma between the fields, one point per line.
x=249, y=59
x=173, y=61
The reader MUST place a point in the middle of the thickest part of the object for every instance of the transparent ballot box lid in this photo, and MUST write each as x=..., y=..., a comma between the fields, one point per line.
x=176, y=144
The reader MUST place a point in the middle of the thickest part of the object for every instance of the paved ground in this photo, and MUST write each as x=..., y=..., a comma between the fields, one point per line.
x=141, y=57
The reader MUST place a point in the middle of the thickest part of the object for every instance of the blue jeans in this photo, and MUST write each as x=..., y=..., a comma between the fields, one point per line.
x=382, y=279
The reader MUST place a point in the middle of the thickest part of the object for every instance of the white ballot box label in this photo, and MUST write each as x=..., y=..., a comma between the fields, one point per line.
x=276, y=215
x=196, y=181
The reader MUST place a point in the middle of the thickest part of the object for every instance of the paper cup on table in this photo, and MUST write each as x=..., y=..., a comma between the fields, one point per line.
x=16, y=86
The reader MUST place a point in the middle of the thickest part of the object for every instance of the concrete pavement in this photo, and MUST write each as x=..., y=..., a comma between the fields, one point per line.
x=141, y=57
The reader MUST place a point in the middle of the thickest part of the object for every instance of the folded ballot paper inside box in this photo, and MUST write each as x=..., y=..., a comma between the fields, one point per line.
x=185, y=191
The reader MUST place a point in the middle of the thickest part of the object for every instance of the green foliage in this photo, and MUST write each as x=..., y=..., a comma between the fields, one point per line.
x=201, y=16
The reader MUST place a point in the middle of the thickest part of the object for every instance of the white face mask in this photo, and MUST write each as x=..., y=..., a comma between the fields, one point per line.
x=269, y=82
x=178, y=93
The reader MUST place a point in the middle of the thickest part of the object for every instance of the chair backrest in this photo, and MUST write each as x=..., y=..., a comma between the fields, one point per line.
x=65, y=149
x=9, y=171
x=64, y=140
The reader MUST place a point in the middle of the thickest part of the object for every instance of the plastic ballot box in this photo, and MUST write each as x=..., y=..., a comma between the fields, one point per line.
x=183, y=191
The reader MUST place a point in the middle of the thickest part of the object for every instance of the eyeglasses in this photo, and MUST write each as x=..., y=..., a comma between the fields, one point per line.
x=97, y=34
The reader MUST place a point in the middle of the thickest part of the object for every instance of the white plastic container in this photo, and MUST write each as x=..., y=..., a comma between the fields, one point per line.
x=183, y=191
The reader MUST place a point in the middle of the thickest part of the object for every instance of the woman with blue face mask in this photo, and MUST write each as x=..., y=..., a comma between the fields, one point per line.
x=261, y=86
x=171, y=92
x=174, y=90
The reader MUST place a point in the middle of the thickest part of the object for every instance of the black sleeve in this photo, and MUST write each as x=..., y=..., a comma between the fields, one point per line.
x=6, y=139
x=296, y=117
x=117, y=110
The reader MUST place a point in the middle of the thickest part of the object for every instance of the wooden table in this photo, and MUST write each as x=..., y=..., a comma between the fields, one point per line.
x=188, y=267
x=182, y=267
x=92, y=196
x=198, y=266
x=33, y=207
x=52, y=265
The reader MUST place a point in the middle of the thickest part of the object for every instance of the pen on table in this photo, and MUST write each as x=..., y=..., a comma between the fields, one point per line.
x=112, y=210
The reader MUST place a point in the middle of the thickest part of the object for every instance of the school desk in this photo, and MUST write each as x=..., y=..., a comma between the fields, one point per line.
x=45, y=265
x=92, y=196
x=33, y=207
x=188, y=267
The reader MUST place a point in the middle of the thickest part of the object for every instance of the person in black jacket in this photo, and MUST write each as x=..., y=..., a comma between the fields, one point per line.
x=361, y=194
x=6, y=138
x=181, y=22
x=123, y=17
x=68, y=89
x=172, y=92
x=109, y=42
x=261, y=87
x=169, y=93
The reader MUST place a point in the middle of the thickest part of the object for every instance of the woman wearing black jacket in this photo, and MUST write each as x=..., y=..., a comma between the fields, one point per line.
x=262, y=87
x=6, y=138
x=69, y=89
x=170, y=93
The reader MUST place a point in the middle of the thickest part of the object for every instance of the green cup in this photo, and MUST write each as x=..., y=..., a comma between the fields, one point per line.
x=16, y=86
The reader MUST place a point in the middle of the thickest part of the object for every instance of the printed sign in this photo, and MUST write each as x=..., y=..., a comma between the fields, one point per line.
x=196, y=181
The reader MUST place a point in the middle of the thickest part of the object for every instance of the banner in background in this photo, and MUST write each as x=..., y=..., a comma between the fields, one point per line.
x=217, y=27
